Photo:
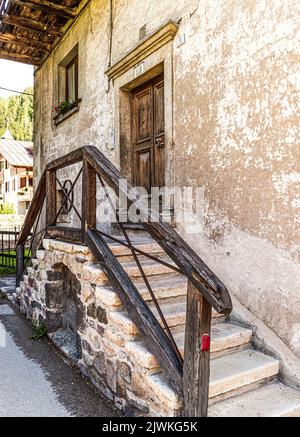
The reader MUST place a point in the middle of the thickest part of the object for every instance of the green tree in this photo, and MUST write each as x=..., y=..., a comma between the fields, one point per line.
x=16, y=113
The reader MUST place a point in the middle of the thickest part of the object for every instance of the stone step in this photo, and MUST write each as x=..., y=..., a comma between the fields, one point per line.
x=224, y=337
x=93, y=272
x=241, y=369
x=144, y=244
x=151, y=268
x=272, y=400
x=228, y=375
x=163, y=286
x=174, y=311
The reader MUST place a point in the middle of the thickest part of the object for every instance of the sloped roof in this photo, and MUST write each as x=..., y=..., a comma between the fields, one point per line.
x=17, y=153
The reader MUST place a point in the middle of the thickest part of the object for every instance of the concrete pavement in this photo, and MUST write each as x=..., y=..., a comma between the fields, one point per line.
x=36, y=381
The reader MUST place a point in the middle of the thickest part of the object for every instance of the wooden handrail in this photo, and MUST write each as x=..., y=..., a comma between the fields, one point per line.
x=34, y=210
x=154, y=336
x=205, y=290
x=182, y=254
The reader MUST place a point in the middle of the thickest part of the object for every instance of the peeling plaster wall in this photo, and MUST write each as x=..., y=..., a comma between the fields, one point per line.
x=236, y=113
x=237, y=135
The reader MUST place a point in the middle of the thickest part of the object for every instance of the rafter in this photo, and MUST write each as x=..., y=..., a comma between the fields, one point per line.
x=47, y=6
x=29, y=24
x=21, y=41
x=25, y=59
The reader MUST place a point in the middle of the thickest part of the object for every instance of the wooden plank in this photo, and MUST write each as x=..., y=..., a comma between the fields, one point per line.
x=178, y=250
x=153, y=334
x=24, y=42
x=48, y=7
x=19, y=263
x=64, y=233
x=24, y=59
x=34, y=209
x=196, y=369
x=51, y=194
x=66, y=160
x=28, y=24
x=89, y=201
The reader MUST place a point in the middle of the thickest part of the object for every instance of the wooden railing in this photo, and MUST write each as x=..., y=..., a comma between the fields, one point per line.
x=189, y=377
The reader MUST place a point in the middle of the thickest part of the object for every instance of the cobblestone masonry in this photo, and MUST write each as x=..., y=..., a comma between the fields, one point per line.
x=113, y=355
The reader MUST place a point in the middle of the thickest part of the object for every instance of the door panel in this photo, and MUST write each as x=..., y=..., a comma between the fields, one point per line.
x=148, y=135
x=159, y=133
x=144, y=114
x=144, y=170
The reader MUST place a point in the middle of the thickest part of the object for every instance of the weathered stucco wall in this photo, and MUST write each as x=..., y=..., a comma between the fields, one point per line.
x=236, y=131
x=238, y=136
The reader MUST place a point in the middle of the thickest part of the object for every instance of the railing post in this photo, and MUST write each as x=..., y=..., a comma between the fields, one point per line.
x=89, y=202
x=196, y=369
x=51, y=194
x=19, y=263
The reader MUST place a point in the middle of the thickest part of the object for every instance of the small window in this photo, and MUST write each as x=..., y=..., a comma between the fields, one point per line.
x=30, y=182
x=72, y=80
x=6, y=165
x=6, y=187
x=22, y=182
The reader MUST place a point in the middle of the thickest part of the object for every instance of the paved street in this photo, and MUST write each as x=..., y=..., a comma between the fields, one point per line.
x=36, y=381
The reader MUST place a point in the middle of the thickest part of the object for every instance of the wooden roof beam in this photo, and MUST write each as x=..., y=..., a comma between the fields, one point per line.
x=29, y=24
x=47, y=6
x=25, y=59
x=21, y=41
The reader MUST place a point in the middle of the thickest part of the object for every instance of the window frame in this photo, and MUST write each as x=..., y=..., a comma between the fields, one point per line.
x=22, y=179
x=74, y=61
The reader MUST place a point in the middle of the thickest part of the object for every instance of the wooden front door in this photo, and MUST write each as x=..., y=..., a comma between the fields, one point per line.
x=148, y=120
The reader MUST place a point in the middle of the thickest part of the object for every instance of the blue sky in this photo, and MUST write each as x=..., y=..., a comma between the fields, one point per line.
x=14, y=76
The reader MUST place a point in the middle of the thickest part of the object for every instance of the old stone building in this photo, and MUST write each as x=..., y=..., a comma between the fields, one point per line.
x=188, y=93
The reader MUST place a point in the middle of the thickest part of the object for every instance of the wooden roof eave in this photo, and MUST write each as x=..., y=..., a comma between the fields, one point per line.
x=30, y=29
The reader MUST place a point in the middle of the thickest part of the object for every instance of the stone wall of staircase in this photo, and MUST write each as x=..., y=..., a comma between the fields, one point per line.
x=109, y=351
x=113, y=357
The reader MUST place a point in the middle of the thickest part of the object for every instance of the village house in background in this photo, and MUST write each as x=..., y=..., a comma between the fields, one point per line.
x=185, y=93
x=16, y=174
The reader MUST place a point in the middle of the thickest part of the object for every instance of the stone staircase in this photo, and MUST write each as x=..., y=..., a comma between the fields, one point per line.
x=243, y=381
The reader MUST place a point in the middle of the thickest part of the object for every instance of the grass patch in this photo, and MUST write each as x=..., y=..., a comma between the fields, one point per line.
x=38, y=331
x=8, y=264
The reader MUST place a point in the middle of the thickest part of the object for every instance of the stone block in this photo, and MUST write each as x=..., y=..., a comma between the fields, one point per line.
x=113, y=336
x=40, y=255
x=137, y=403
x=86, y=346
x=124, y=371
x=94, y=338
x=54, y=275
x=92, y=311
x=100, y=362
x=94, y=274
x=139, y=352
x=109, y=348
x=31, y=282
x=54, y=295
x=102, y=315
x=54, y=320
x=138, y=384
x=159, y=388
x=123, y=323
x=106, y=296
x=111, y=375
x=87, y=293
